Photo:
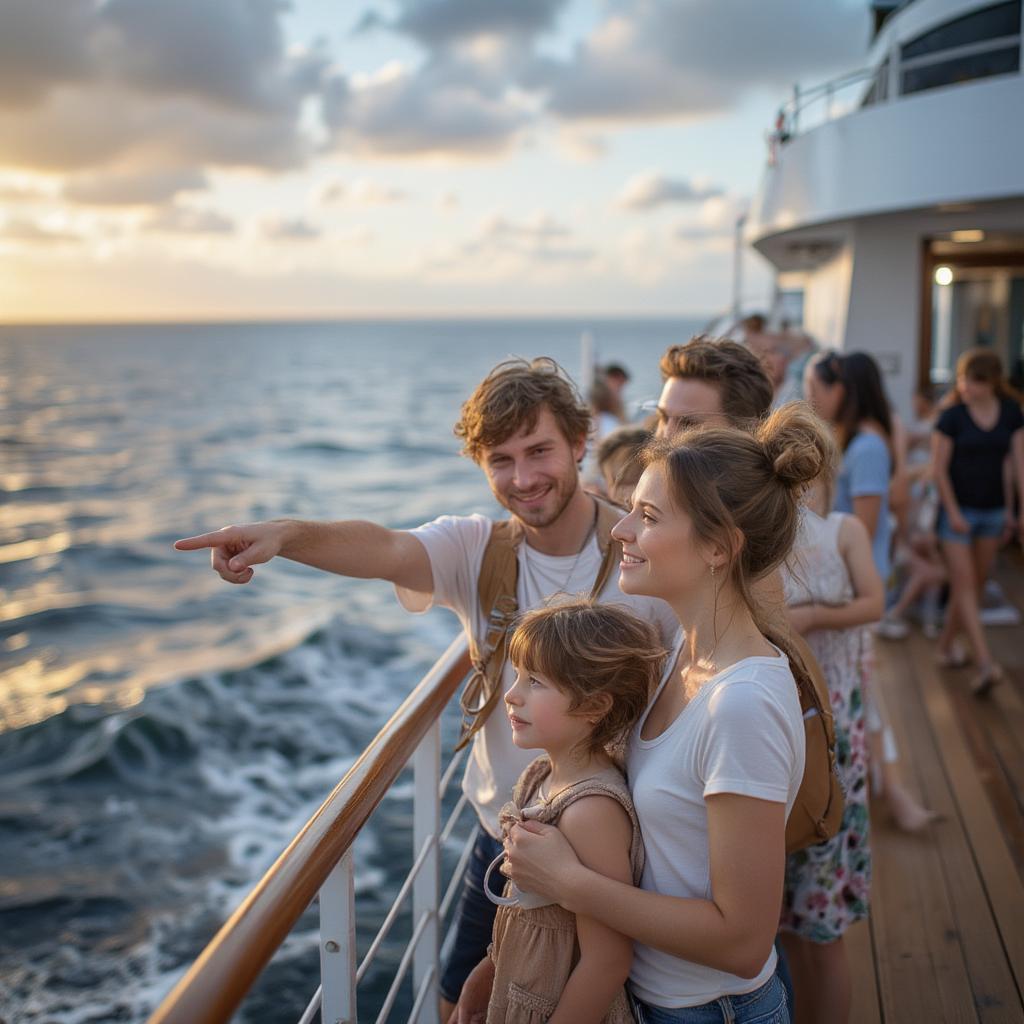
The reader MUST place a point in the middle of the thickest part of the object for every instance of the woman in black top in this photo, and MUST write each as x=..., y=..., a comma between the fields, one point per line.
x=977, y=440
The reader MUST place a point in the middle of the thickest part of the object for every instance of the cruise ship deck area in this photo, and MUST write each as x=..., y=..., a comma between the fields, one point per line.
x=945, y=941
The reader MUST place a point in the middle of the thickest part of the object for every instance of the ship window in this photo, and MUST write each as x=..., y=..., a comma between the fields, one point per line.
x=989, y=23
x=961, y=69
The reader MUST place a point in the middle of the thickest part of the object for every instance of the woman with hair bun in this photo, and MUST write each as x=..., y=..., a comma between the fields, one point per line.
x=715, y=762
x=973, y=438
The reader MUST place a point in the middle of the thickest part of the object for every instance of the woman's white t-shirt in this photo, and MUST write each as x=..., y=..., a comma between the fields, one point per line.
x=741, y=733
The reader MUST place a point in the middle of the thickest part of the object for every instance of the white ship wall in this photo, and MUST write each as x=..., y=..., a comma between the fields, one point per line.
x=826, y=300
x=867, y=298
x=964, y=143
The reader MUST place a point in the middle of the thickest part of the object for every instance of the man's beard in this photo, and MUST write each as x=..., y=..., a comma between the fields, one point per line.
x=563, y=492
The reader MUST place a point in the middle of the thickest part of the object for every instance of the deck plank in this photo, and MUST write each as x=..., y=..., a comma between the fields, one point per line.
x=947, y=926
x=923, y=973
x=860, y=949
x=995, y=862
x=994, y=988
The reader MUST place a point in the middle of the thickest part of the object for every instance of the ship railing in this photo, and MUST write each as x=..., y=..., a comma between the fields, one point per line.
x=319, y=865
x=809, y=108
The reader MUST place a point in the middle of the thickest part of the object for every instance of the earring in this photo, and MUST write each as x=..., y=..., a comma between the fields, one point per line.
x=713, y=571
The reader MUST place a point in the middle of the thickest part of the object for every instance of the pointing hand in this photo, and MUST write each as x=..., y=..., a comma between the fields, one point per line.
x=235, y=549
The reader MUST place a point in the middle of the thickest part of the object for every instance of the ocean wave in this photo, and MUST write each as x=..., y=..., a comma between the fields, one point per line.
x=324, y=447
x=134, y=833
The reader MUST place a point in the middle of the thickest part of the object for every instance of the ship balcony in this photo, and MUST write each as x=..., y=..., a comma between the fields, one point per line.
x=865, y=145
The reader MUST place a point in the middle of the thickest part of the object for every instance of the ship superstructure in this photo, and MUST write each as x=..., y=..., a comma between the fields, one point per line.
x=892, y=208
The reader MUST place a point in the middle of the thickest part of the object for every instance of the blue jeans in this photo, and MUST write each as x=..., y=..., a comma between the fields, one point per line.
x=766, y=1005
x=474, y=919
x=983, y=522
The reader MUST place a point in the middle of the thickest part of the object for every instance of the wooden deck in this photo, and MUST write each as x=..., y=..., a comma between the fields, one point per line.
x=945, y=941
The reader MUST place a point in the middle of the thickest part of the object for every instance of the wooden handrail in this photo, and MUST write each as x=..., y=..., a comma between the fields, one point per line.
x=218, y=981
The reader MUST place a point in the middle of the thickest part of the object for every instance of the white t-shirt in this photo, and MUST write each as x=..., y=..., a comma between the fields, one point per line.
x=456, y=547
x=741, y=733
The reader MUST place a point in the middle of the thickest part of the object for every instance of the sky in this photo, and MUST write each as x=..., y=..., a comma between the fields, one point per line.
x=249, y=159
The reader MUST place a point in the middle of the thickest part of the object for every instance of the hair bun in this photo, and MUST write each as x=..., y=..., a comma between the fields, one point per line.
x=797, y=443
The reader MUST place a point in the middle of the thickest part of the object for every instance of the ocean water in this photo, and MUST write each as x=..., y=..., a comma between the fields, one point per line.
x=163, y=735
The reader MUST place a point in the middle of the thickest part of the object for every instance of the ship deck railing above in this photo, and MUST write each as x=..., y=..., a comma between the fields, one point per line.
x=319, y=864
x=892, y=77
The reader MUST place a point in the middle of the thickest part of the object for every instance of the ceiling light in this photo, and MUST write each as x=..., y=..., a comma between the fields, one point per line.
x=969, y=235
x=943, y=276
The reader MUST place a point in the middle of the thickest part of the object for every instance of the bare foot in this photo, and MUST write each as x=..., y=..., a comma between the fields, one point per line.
x=909, y=815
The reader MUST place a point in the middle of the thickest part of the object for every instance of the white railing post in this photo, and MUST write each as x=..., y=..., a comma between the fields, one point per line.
x=338, y=944
x=426, y=890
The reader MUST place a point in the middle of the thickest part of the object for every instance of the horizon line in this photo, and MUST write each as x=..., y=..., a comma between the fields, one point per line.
x=352, y=318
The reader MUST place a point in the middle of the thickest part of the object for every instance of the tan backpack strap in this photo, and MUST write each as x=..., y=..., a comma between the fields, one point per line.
x=496, y=589
x=499, y=573
x=611, y=550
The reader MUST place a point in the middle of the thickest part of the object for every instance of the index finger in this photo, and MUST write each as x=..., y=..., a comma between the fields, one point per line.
x=202, y=540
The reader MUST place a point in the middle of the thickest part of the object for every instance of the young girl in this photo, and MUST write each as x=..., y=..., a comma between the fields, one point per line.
x=583, y=676
x=847, y=391
x=980, y=431
x=833, y=591
x=716, y=761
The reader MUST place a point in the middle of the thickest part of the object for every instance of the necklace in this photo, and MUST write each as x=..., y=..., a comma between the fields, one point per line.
x=563, y=588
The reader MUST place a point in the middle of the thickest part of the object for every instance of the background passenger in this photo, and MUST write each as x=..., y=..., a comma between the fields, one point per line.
x=833, y=592
x=982, y=428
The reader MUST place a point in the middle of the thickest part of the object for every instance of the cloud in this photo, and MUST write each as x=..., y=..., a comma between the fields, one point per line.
x=20, y=229
x=650, y=60
x=438, y=24
x=699, y=233
x=41, y=47
x=230, y=52
x=485, y=80
x=645, y=191
x=144, y=86
x=15, y=191
x=361, y=192
x=500, y=244
x=283, y=229
x=580, y=146
x=184, y=220
x=133, y=188
x=434, y=110
x=714, y=225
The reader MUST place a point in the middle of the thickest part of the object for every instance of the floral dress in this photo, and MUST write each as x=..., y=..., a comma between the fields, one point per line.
x=827, y=885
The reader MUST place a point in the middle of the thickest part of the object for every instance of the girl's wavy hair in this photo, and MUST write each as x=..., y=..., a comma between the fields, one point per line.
x=588, y=650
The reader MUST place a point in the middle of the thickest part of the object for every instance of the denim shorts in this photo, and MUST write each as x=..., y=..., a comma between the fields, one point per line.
x=473, y=921
x=983, y=523
x=766, y=1005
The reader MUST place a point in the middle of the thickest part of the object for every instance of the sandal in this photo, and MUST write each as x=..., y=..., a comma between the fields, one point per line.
x=955, y=657
x=982, y=684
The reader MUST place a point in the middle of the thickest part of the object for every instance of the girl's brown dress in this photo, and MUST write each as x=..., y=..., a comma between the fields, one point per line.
x=535, y=951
